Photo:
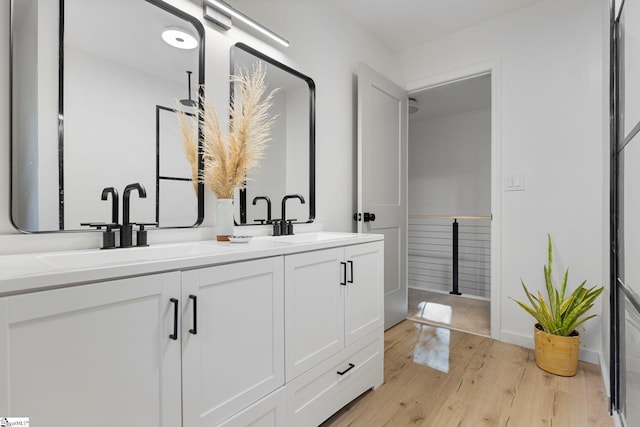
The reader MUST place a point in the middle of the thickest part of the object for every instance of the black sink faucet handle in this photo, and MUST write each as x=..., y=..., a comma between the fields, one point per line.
x=108, y=236
x=277, y=229
x=114, y=202
x=141, y=234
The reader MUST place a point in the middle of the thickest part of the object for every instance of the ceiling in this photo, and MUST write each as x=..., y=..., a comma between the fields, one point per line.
x=455, y=98
x=403, y=24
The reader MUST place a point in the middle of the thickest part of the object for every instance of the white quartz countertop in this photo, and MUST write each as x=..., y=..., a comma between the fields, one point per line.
x=39, y=271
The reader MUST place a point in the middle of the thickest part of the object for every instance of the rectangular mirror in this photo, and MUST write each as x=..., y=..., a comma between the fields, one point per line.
x=95, y=88
x=289, y=164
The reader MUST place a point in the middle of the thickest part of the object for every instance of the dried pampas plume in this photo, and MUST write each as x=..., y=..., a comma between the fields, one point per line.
x=189, y=133
x=229, y=159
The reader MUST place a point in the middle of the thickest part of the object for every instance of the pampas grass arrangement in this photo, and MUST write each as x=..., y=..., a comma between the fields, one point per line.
x=189, y=133
x=228, y=159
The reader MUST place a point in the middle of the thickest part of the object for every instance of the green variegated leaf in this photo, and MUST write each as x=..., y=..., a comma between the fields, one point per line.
x=559, y=315
x=563, y=287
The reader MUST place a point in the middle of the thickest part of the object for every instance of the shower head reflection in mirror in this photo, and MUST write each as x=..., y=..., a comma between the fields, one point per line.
x=107, y=118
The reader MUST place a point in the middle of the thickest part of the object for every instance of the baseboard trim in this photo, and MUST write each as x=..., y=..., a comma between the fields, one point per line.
x=445, y=291
x=604, y=369
x=617, y=419
x=585, y=355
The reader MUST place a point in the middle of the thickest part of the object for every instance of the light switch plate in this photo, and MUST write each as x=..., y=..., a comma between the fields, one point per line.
x=514, y=182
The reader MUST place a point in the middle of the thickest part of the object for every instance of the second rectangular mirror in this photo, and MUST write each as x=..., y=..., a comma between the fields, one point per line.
x=289, y=165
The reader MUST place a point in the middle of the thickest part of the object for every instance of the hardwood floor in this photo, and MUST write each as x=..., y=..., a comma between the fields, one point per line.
x=462, y=313
x=440, y=377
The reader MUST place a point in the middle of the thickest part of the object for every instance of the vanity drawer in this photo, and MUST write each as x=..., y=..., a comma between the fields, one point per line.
x=317, y=394
x=269, y=411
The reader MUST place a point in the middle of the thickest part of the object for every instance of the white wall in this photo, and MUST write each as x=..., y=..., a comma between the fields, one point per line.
x=26, y=122
x=450, y=164
x=35, y=64
x=551, y=122
x=297, y=154
x=270, y=180
x=129, y=96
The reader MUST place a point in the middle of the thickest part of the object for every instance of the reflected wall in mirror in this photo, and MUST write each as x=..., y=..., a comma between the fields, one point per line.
x=289, y=163
x=101, y=111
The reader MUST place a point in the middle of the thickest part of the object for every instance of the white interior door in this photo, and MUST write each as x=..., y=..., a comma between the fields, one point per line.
x=382, y=180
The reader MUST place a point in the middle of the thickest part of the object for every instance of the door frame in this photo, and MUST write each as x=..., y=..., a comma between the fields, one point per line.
x=492, y=68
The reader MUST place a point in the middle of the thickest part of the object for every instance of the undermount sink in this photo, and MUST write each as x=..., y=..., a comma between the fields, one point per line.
x=312, y=237
x=95, y=258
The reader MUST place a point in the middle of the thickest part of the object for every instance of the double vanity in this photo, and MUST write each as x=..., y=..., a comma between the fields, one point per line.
x=279, y=331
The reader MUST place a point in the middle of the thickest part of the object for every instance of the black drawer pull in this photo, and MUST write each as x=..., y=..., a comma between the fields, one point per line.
x=174, y=335
x=194, y=330
x=351, y=366
x=344, y=273
x=351, y=265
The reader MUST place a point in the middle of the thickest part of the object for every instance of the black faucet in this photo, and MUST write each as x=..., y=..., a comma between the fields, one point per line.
x=125, y=230
x=108, y=236
x=114, y=202
x=287, y=224
x=268, y=200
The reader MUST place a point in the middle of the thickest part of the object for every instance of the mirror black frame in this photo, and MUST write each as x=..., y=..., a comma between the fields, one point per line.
x=201, y=57
x=312, y=128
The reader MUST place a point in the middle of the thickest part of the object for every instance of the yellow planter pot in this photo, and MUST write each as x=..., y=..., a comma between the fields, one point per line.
x=556, y=354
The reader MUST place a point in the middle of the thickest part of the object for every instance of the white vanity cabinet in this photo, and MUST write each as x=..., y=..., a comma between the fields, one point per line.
x=91, y=354
x=334, y=328
x=233, y=347
x=279, y=337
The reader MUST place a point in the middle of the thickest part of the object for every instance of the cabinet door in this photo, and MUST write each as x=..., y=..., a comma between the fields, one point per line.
x=86, y=355
x=315, y=308
x=236, y=355
x=364, y=306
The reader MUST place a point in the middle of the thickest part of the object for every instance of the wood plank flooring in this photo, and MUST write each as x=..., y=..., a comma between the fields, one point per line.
x=465, y=314
x=440, y=377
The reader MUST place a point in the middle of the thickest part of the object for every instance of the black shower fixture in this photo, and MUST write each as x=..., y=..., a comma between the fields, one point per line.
x=188, y=102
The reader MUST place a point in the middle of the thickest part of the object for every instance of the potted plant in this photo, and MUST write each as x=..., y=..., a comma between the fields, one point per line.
x=555, y=336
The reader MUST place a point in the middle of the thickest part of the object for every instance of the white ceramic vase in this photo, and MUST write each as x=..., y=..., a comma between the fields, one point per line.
x=224, y=219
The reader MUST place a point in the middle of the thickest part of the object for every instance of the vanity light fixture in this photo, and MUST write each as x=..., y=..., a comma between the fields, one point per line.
x=179, y=38
x=220, y=13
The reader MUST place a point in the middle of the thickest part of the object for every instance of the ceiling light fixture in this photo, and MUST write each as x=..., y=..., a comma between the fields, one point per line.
x=220, y=13
x=179, y=38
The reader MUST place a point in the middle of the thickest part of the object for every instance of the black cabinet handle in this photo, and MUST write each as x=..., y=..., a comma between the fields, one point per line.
x=174, y=335
x=194, y=330
x=351, y=366
x=351, y=265
x=344, y=273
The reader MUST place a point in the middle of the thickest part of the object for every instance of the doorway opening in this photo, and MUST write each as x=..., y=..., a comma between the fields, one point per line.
x=450, y=204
